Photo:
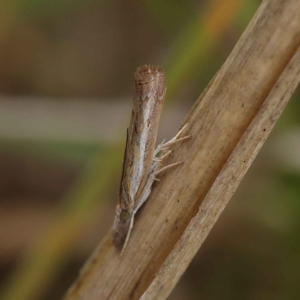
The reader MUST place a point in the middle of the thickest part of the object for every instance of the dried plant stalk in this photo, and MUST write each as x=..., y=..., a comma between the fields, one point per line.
x=228, y=124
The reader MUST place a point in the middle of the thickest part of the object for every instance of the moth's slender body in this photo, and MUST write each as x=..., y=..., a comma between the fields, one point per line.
x=141, y=160
x=150, y=89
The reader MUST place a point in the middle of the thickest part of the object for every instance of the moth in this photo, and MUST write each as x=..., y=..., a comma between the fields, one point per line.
x=142, y=162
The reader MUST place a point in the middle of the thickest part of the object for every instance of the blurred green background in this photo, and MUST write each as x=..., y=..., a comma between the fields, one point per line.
x=66, y=87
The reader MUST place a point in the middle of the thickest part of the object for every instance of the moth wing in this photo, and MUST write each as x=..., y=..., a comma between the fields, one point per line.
x=123, y=171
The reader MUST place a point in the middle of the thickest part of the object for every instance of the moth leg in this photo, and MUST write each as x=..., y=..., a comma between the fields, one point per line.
x=176, y=138
x=128, y=234
x=143, y=198
x=164, y=147
x=166, y=168
x=146, y=193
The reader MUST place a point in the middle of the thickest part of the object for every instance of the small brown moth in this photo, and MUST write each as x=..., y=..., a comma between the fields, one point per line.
x=141, y=160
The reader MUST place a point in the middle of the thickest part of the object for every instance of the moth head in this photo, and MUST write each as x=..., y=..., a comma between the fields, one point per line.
x=150, y=82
